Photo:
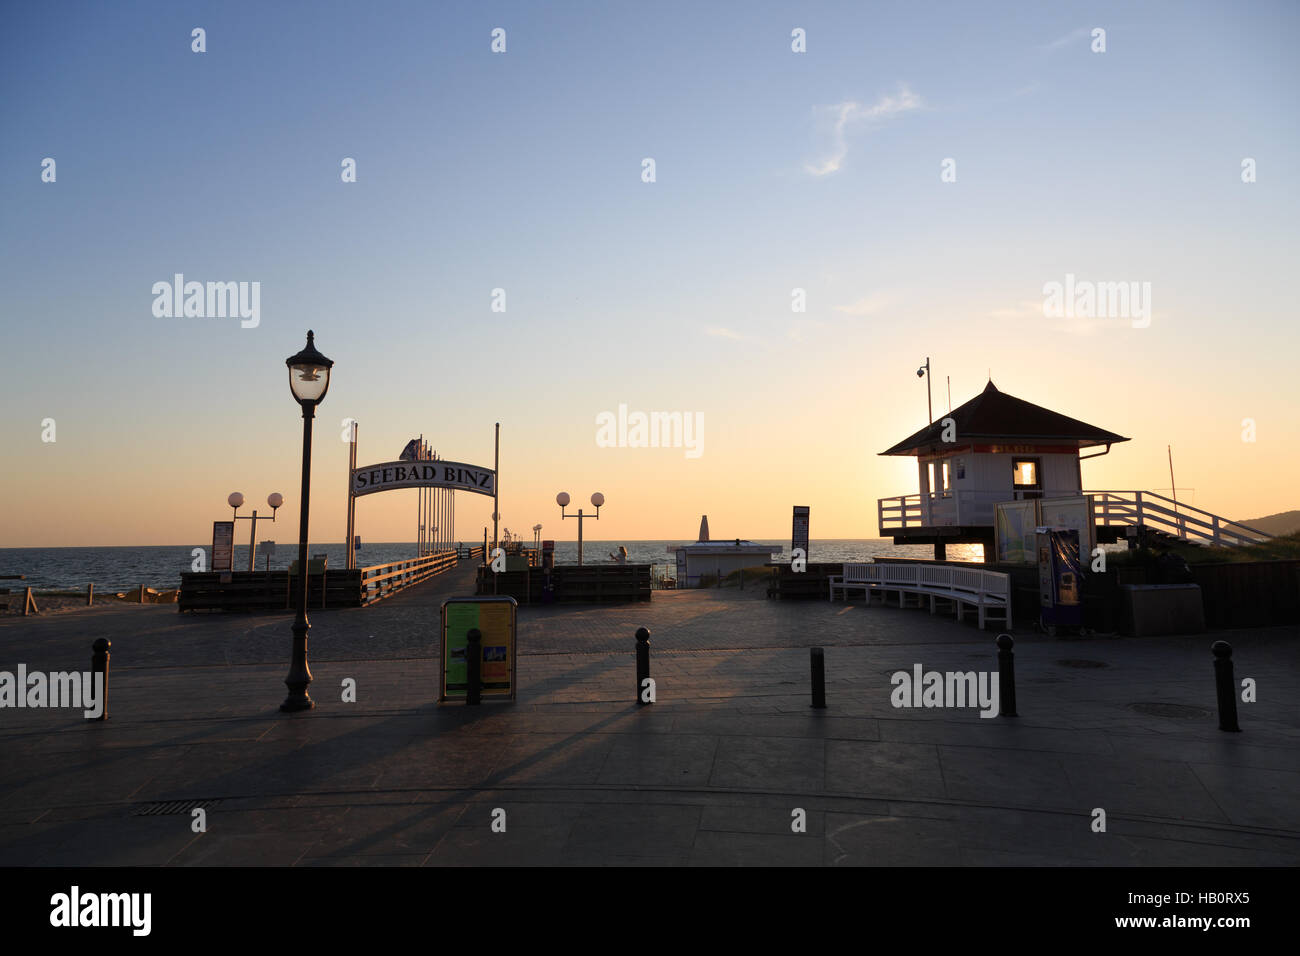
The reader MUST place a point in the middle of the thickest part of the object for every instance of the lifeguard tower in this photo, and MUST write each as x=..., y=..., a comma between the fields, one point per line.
x=998, y=450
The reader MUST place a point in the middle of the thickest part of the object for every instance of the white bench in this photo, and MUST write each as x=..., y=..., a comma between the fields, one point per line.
x=855, y=577
x=988, y=593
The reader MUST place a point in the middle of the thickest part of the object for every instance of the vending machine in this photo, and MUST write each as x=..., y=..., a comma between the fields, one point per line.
x=1060, y=579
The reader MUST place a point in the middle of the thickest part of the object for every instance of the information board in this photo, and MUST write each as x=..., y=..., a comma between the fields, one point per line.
x=495, y=619
x=799, y=534
x=223, y=546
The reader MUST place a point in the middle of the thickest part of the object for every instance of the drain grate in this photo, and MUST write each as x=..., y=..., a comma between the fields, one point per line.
x=165, y=808
x=1175, y=711
x=1079, y=662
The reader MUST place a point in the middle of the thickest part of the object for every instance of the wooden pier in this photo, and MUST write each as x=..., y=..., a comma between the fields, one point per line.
x=278, y=590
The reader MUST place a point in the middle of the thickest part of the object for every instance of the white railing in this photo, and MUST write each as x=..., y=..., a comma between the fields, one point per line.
x=1111, y=508
x=1152, y=510
x=940, y=509
x=986, y=592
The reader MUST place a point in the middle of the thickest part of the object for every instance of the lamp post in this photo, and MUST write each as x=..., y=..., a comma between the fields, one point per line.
x=309, y=379
x=924, y=372
x=236, y=501
x=562, y=499
x=537, y=537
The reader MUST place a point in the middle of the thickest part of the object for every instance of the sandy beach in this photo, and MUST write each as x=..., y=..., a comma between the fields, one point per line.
x=66, y=602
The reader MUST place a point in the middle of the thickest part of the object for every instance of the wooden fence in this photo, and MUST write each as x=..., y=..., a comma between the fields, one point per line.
x=266, y=590
x=810, y=584
x=278, y=591
x=384, y=580
x=569, y=584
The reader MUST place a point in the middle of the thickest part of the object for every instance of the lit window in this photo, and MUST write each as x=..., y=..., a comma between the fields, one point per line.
x=1025, y=473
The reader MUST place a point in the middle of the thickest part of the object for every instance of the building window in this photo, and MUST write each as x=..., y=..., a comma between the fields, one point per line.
x=1025, y=477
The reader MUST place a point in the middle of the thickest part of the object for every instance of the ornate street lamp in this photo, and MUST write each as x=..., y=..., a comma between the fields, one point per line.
x=309, y=380
x=562, y=499
x=236, y=501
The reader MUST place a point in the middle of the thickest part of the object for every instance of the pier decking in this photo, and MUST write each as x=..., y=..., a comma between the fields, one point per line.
x=708, y=774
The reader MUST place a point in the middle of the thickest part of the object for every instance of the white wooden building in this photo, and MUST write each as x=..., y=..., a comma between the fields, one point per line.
x=993, y=449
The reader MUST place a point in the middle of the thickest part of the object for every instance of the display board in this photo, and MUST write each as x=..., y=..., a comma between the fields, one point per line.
x=1074, y=513
x=223, y=546
x=1016, y=523
x=1014, y=532
x=799, y=529
x=495, y=619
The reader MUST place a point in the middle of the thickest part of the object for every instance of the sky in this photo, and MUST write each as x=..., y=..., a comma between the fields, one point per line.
x=524, y=171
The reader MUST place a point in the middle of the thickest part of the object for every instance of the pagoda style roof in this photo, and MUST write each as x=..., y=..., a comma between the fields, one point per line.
x=996, y=417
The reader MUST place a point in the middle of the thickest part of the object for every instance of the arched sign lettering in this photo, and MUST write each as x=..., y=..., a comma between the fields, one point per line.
x=392, y=475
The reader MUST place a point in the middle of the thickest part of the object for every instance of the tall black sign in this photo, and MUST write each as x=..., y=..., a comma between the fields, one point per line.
x=799, y=533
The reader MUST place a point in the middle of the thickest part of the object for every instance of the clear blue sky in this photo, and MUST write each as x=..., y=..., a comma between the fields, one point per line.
x=522, y=171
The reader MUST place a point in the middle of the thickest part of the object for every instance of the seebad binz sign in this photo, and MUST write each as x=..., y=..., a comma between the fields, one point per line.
x=392, y=475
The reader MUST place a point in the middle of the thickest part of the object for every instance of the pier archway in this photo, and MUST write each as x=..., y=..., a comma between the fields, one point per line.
x=418, y=467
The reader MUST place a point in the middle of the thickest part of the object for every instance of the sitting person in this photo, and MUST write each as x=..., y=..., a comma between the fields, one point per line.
x=621, y=557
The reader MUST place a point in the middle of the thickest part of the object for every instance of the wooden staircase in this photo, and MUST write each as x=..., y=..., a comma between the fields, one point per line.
x=1164, y=519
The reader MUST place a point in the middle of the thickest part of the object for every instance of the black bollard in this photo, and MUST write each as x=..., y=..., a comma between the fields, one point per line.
x=1225, y=686
x=474, y=666
x=1006, y=676
x=818, y=657
x=642, y=662
x=99, y=665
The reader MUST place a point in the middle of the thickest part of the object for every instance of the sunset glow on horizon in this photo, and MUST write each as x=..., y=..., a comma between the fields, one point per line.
x=501, y=257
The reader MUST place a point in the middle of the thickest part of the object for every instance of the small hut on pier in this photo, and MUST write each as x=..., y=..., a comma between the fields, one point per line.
x=994, y=449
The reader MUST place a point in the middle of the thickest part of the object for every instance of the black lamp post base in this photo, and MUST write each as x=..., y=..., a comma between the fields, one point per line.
x=292, y=704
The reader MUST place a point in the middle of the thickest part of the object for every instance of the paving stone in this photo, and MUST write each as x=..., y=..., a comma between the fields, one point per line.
x=708, y=775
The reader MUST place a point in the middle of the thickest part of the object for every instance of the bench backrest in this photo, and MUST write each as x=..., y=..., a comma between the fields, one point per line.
x=939, y=576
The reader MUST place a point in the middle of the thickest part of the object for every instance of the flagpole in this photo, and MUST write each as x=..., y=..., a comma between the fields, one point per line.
x=496, y=484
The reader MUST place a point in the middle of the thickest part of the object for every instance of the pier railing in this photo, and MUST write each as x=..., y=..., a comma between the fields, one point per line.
x=1111, y=509
x=1152, y=510
x=384, y=580
x=939, y=509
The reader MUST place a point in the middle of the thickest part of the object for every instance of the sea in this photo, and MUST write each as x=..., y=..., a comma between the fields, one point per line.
x=122, y=568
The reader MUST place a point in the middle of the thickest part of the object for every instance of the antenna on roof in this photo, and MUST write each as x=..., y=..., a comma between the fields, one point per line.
x=1173, y=487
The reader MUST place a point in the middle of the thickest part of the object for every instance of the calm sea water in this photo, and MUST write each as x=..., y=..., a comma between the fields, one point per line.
x=161, y=567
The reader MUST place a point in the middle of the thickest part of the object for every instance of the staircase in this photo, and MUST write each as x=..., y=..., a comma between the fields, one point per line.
x=1163, y=517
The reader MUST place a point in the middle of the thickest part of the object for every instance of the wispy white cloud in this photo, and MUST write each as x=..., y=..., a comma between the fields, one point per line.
x=842, y=115
x=719, y=332
x=1071, y=37
x=868, y=304
x=1029, y=312
x=797, y=332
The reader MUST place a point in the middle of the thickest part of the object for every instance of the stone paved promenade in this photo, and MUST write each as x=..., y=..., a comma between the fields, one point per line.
x=710, y=774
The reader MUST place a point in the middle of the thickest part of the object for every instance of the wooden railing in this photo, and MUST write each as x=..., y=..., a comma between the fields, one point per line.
x=384, y=580
x=569, y=583
x=470, y=552
x=1113, y=508
x=1151, y=510
x=266, y=590
x=939, y=509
